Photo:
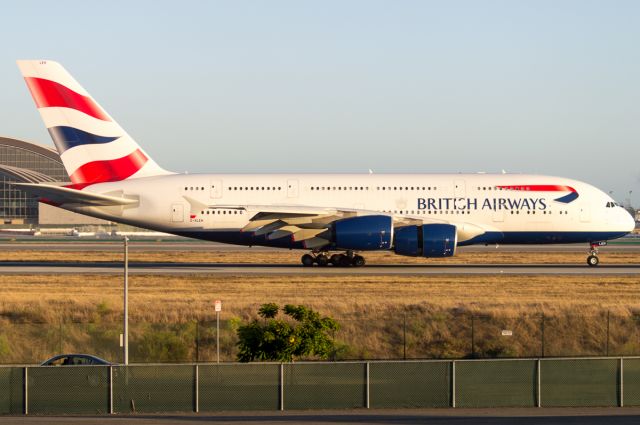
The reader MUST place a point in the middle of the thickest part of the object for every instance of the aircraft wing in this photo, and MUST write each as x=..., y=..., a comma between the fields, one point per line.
x=312, y=224
x=59, y=196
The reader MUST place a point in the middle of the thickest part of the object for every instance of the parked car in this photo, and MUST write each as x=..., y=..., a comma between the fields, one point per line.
x=76, y=360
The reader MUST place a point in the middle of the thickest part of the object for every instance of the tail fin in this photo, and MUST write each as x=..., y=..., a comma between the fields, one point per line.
x=92, y=146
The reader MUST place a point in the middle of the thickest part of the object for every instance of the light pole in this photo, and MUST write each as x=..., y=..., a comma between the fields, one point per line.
x=125, y=336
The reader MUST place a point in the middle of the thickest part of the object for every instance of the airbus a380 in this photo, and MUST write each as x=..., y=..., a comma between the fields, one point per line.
x=334, y=217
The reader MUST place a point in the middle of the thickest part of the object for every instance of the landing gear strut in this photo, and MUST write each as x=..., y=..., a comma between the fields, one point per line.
x=592, y=259
x=322, y=259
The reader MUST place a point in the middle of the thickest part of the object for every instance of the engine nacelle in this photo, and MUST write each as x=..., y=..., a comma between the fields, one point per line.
x=428, y=240
x=364, y=233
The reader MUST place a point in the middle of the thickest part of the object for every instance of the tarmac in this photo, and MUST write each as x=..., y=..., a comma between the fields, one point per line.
x=65, y=267
x=186, y=245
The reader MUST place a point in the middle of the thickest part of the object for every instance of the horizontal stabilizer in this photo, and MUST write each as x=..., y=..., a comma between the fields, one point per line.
x=59, y=195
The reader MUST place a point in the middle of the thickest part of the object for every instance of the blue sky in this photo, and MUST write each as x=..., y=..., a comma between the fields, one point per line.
x=549, y=87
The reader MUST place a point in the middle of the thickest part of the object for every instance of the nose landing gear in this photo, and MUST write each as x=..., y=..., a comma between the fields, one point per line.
x=322, y=259
x=592, y=259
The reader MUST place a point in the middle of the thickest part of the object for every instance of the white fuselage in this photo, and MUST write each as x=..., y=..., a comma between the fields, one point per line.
x=510, y=208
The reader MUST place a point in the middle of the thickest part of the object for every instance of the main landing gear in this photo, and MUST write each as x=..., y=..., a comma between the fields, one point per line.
x=592, y=259
x=322, y=259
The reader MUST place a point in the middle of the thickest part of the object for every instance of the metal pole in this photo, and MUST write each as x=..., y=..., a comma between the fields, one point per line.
x=217, y=337
x=453, y=383
x=111, y=390
x=197, y=389
x=367, y=388
x=538, y=384
x=621, y=382
x=281, y=386
x=26, y=390
x=125, y=336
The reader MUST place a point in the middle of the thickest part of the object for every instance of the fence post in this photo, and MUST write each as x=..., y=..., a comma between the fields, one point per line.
x=367, y=388
x=621, y=382
x=453, y=383
x=196, y=384
x=111, y=390
x=538, y=385
x=26, y=390
x=281, y=386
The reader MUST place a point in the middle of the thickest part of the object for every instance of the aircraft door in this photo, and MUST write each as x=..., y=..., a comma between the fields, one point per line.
x=177, y=213
x=215, y=189
x=292, y=188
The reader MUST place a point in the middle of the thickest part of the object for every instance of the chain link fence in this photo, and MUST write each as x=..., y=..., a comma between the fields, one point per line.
x=194, y=387
x=412, y=335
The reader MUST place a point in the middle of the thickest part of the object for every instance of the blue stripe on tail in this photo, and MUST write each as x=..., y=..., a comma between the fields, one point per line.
x=68, y=137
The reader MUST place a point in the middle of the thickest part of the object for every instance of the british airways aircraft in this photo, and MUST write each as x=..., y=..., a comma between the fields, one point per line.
x=335, y=217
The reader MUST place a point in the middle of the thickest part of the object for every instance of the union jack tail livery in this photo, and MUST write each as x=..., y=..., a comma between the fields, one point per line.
x=91, y=144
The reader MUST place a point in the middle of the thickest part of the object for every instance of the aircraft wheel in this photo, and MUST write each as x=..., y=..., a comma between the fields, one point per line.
x=593, y=260
x=335, y=259
x=307, y=260
x=358, y=261
x=344, y=261
x=322, y=260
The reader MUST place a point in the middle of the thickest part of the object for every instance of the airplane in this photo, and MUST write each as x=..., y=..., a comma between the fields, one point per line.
x=334, y=217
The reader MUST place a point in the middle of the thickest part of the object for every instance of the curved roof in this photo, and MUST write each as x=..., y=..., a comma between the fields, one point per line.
x=25, y=176
x=33, y=147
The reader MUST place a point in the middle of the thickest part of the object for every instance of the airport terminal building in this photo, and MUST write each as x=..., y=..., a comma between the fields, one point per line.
x=26, y=162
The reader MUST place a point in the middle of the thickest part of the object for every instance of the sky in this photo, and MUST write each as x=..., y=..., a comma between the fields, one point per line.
x=545, y=87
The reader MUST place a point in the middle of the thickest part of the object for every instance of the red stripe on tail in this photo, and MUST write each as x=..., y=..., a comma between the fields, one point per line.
x=109, y=171
x=47, y=93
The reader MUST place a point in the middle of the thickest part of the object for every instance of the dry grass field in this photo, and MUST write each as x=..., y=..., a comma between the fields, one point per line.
x=381, y=316
x=172, y=299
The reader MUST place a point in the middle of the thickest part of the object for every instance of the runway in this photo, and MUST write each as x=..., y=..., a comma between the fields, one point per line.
x=64, y=267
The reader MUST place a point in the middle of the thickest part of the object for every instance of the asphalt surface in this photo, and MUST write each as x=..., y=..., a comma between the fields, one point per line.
x=187, y=245
x=40, y=267
x=547, y=416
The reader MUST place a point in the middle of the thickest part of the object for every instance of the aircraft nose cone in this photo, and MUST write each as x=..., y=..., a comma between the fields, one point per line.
x=629, y=222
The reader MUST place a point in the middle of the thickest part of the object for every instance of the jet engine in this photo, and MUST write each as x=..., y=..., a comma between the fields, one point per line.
x=427, y=240
x=363, y=233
